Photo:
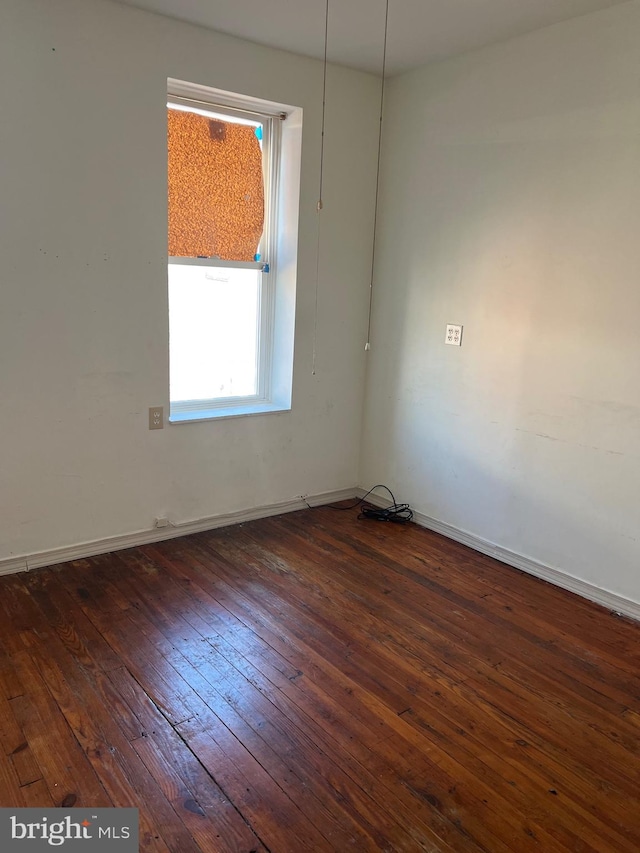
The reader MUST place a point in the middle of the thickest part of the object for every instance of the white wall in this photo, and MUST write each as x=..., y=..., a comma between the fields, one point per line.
x=511, y=204
x=83, y=302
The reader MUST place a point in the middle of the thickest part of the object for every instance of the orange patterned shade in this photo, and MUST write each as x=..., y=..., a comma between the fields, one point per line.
x=216, y=192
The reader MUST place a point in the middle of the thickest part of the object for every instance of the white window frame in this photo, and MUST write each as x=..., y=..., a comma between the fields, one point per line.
x=282, y=133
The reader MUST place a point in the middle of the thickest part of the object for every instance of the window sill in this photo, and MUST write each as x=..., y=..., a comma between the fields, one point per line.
x=196, y=416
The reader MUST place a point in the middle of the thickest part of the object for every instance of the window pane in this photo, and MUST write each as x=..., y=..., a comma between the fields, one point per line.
x=216, y=192
x=213, y=323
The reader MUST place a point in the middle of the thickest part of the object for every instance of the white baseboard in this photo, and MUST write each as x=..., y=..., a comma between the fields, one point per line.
x=12, y=565
x=610, y=600
x=145, y=537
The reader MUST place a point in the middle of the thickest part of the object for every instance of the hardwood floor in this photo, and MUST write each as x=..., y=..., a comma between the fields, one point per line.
x=317, y=683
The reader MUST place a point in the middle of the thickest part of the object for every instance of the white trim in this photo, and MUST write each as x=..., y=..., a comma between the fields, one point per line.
x=208, y=96
x=186, y=261
x=175, y=530
x=281, y=145
x=208, y=110
x=13, y=565
x=185, y=415
x=610, y=600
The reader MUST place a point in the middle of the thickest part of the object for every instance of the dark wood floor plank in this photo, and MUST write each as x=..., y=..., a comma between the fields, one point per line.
x=10, y=791
x=428, y=826
x=123, y=643
x=224, y=828
x=426, y=831
x=593, y=746
x=260, y=726
x=10, y=684
x=632, y=745
x=337, y=726
x=74, y=629
x=495, y=843
x=121, y=632
x=456, y=600
x=63, y=764
x=250, y=786
x=37, y=795
x=122, y=772
x=481, y=831
x=74, y=637
x=202, y=825
x=16, y=747
x=311, y=682
x=545, y=605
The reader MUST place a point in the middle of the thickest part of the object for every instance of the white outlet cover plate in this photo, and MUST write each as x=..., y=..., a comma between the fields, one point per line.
x=454, y=335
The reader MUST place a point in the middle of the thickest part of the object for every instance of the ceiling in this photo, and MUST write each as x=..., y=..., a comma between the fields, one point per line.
x=420, y=31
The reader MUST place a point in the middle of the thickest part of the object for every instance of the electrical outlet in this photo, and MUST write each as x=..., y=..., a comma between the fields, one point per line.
x=454, y=335
x=156, y=417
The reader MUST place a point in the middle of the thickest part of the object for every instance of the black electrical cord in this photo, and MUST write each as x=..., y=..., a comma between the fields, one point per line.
x=396, y=513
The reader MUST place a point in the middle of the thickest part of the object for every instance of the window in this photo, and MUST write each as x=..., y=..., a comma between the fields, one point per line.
x=233, y=185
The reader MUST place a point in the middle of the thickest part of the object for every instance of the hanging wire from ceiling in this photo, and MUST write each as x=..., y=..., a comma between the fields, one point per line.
x=320, y=189
x=367, y=345
x=320, y=203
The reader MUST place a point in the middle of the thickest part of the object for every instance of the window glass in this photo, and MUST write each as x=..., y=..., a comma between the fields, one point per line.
x=216, y=187
x=214, y=332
